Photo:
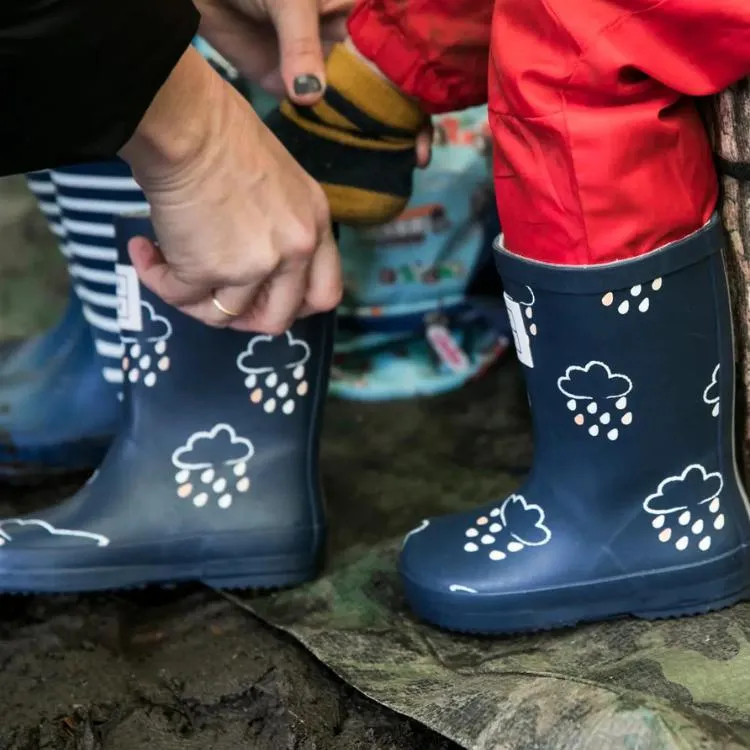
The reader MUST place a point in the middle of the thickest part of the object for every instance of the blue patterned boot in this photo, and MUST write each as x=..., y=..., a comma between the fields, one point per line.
x=214, y=474
x=634, y=505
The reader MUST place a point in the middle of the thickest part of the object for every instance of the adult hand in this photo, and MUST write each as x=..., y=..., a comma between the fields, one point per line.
x=239, y=222
x=278, y=44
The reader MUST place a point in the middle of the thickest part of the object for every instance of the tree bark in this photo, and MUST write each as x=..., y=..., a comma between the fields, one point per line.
x=728, y=118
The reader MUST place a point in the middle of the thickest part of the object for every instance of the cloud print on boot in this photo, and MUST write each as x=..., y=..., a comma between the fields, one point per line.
x=594, y=381
x=524, y=521
x=6, y=531
x=219, y=445
x=268, y=353
x=154, y=327
x=711, y=395
x=694, y=486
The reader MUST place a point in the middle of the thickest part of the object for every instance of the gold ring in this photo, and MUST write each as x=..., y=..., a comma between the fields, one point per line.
x=221, y=307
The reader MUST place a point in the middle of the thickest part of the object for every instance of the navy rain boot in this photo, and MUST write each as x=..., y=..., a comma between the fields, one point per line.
x=60, y=416
x=57, y=415
x=214, y=476
x=634, y=505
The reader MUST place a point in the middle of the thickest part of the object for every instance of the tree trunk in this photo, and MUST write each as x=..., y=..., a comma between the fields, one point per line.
x=729, y=124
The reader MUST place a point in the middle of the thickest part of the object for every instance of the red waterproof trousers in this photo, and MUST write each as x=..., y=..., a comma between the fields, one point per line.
x=600, y=154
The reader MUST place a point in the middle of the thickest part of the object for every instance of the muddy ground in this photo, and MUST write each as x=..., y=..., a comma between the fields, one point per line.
x=157, y=669
x=163, y=669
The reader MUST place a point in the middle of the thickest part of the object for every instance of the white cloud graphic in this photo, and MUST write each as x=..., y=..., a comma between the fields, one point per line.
x=256, y=360
x=670, y=494
x=593, y=380
x=7, y=536
x=526, y=302
x=462, y=589
x=511, y=503
x=711, y=393
x=155, y=321
x=154, y=327
x=234, y=450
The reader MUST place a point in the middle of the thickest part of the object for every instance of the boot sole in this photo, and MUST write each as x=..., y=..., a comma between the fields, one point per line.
x=566, y=607
x=248, y=573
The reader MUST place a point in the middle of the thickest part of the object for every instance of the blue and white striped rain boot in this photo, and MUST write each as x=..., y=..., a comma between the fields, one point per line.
x=57, y=414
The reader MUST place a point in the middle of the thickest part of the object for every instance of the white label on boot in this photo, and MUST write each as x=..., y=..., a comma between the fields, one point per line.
x=128, y=299
x=520, y=336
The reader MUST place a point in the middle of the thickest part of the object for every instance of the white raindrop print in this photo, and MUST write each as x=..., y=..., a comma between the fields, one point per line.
x=519, y=525
x=686, y=506
x=208, y=463
x=277, y=388
x=591, y=390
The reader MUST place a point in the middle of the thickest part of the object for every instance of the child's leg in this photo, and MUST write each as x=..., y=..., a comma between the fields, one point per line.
x=41, y=185
x=600, y=155
x=435, y=51
x=90, y=196
x=621, y=317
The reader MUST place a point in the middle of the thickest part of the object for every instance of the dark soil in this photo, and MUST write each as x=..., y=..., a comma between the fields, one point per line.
x=162, y=669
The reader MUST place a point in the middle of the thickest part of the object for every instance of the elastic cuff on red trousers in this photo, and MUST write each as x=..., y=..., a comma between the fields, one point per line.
x=401, y=62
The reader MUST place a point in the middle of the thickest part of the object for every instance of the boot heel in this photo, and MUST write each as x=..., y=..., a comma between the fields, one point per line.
x=709, y=596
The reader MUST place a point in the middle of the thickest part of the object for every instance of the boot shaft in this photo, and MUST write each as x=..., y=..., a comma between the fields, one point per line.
x=629, y=365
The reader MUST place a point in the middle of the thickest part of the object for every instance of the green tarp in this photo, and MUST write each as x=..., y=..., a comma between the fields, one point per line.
x=629, y=684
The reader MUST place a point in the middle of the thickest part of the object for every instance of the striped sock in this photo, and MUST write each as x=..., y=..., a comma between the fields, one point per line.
x=358, y=142
x=89, y=196
x=43, y=188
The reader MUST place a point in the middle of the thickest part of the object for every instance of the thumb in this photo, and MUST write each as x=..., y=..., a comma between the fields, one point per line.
x=298, y=29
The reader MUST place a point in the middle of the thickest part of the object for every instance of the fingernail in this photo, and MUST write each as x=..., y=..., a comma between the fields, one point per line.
x=307, y=84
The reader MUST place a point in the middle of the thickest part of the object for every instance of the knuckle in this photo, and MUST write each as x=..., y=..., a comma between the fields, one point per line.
x=259, y=263
x=302, y=240
x=304, y=47
x=267, y=261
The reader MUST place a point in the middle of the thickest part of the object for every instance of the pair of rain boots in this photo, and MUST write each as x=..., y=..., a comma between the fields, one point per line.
x=634, y=505
x=214, y=474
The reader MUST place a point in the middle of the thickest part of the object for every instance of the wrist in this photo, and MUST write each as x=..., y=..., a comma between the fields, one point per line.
x=181, y=122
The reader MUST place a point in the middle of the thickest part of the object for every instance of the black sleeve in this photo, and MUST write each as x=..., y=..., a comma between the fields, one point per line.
x=76, y=76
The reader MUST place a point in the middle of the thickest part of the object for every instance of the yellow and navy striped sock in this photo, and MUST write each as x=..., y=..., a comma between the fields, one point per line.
x=358, y=141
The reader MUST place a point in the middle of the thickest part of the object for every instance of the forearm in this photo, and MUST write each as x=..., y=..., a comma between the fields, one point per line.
x=194, y=118
x=77, y=76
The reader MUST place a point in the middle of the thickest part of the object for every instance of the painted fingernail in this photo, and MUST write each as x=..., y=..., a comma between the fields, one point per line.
x=307, y=84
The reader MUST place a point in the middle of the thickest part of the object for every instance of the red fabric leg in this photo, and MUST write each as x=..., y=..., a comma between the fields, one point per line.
x=599, y=152
x=436, y=51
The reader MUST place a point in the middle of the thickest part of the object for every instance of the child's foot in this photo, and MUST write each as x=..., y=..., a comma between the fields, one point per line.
x=358, y=141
